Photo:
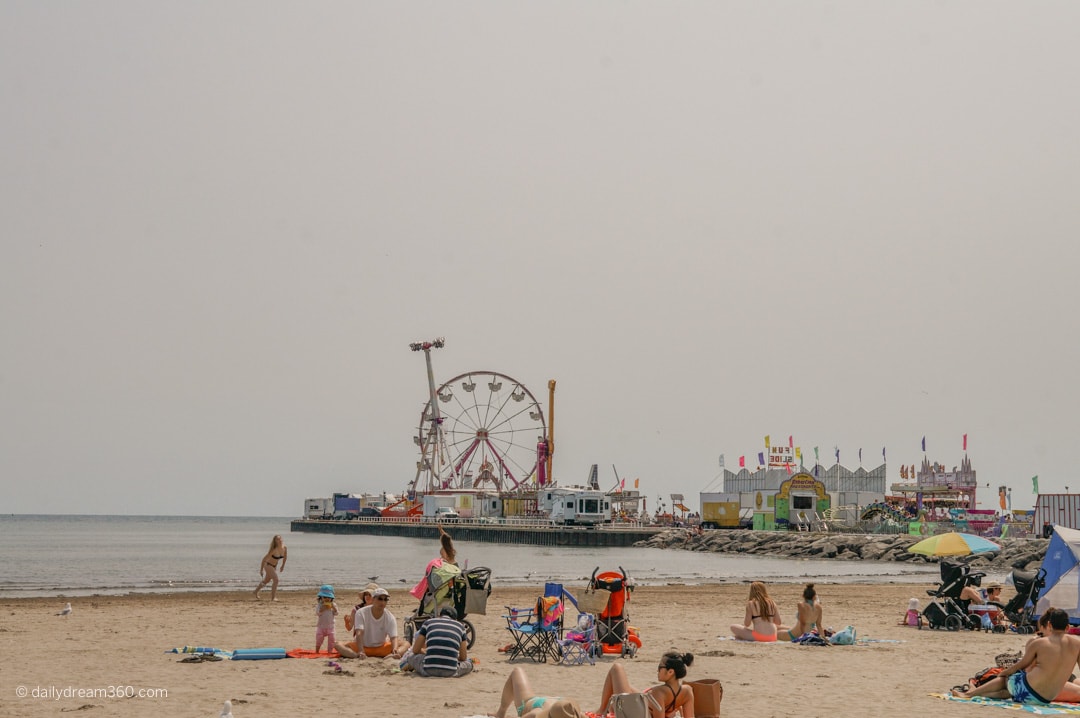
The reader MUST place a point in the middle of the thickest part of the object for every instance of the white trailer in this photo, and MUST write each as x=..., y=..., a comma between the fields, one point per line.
x=318, y=508
x=434, y=502
x=571, y=506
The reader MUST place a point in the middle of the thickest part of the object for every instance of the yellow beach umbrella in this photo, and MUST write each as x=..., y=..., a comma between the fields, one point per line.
x=954, y=543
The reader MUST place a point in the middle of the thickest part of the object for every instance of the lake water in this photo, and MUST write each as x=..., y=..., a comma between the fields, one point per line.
x=84, y=555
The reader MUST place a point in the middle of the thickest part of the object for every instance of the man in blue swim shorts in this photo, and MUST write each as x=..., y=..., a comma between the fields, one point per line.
x=1041, y=674
x=1021, y=690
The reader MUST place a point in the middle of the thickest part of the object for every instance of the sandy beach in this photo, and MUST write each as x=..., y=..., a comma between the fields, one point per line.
x=121, y=642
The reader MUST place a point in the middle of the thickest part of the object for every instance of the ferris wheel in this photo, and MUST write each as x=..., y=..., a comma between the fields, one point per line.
x=487, y=428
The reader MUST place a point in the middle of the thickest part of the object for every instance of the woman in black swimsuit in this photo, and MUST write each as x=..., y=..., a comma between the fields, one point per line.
x=669, y=697
x=268, y=567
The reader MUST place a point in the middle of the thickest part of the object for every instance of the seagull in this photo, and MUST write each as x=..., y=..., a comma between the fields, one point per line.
x=66, y=610
x=372, y=578
x=403, y=580
x=226, y=710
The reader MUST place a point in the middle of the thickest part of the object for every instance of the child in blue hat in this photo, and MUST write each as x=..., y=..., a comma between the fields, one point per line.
x=326, y=610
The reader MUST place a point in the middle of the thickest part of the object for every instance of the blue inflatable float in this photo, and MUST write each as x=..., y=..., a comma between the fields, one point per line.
x=257, y=654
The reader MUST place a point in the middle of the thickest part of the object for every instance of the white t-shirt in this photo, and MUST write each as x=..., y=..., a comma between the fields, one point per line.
x=376, y=630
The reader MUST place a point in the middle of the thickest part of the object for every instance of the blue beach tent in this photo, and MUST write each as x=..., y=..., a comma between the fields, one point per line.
x=1062, y=566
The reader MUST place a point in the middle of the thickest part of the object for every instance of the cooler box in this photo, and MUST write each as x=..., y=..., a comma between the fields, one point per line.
x=986, y=610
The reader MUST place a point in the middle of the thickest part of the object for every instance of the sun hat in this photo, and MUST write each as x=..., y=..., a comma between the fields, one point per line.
x=326, y=591
x=370, y=588
x=380, y=592
x=565, y=709
x=993, y=584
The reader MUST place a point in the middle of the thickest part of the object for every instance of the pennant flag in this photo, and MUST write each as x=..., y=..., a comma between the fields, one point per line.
x=815, y=453
x=1008, y=500
x=965, y=449
x=924, y=443
x=742, y=462
x=1035, y=484
x=903, y=471
x=760, y=458
x=816, y=465
x=622, y=484
x=721, y=461
x=837, y=454
x=860, y=455
x=883, y=453
x=766, y=441
x=636, y=483
x=788, y=467
x=790, y=442
x=1001, y=497
x=798, y=452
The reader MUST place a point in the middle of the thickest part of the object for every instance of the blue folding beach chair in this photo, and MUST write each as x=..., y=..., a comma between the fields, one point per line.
x=535, y=630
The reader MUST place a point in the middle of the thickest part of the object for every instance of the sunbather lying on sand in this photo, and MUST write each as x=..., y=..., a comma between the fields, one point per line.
x=519, y=695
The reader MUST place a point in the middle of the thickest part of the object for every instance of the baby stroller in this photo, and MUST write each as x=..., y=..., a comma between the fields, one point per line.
x=447, y=586
x=947, y=610
x=1020, y=610
x=614, y=632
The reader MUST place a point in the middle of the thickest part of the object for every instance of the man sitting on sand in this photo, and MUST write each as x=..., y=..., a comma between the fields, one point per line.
x=1043, y=671
x=440, y=648
x=374, y=631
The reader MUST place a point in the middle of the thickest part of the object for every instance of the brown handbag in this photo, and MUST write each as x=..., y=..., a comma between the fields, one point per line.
x=708, y=692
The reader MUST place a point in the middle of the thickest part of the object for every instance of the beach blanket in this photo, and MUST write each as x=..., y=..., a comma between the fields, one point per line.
x=202, y=650
x=308, y=653
x=1054, y=709
x=858, y=642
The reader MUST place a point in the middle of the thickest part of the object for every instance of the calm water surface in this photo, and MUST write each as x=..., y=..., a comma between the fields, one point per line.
x=84, y=555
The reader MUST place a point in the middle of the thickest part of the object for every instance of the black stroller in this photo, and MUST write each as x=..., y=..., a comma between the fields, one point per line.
x=1020, y=609
x=447, y=586
x=947, y=610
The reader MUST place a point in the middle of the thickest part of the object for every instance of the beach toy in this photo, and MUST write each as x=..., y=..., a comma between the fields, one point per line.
x=258, y=654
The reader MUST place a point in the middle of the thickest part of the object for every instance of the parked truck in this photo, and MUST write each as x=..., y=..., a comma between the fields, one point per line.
x=346, y=506
x=434, y=504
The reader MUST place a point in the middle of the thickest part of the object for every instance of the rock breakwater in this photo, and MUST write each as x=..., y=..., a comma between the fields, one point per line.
x=1022, y=553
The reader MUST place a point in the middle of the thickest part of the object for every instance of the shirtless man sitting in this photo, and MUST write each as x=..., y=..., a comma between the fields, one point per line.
x=1043, y=671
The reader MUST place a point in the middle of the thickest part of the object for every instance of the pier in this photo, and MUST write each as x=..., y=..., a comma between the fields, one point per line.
x=530, y=534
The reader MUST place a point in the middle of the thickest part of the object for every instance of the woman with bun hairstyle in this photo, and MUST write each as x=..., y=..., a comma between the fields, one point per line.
x=669, y=697
x=808, y=616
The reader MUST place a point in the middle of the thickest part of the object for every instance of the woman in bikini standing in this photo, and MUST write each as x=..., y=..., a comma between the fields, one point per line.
x=268, y=567
x=762, y=620
x=808, y=616
x=669, y=697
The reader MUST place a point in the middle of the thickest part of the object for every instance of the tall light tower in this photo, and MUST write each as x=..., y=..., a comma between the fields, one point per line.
x=436, y=441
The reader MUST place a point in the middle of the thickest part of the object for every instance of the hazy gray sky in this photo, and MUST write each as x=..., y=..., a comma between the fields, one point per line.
x=223, y=223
